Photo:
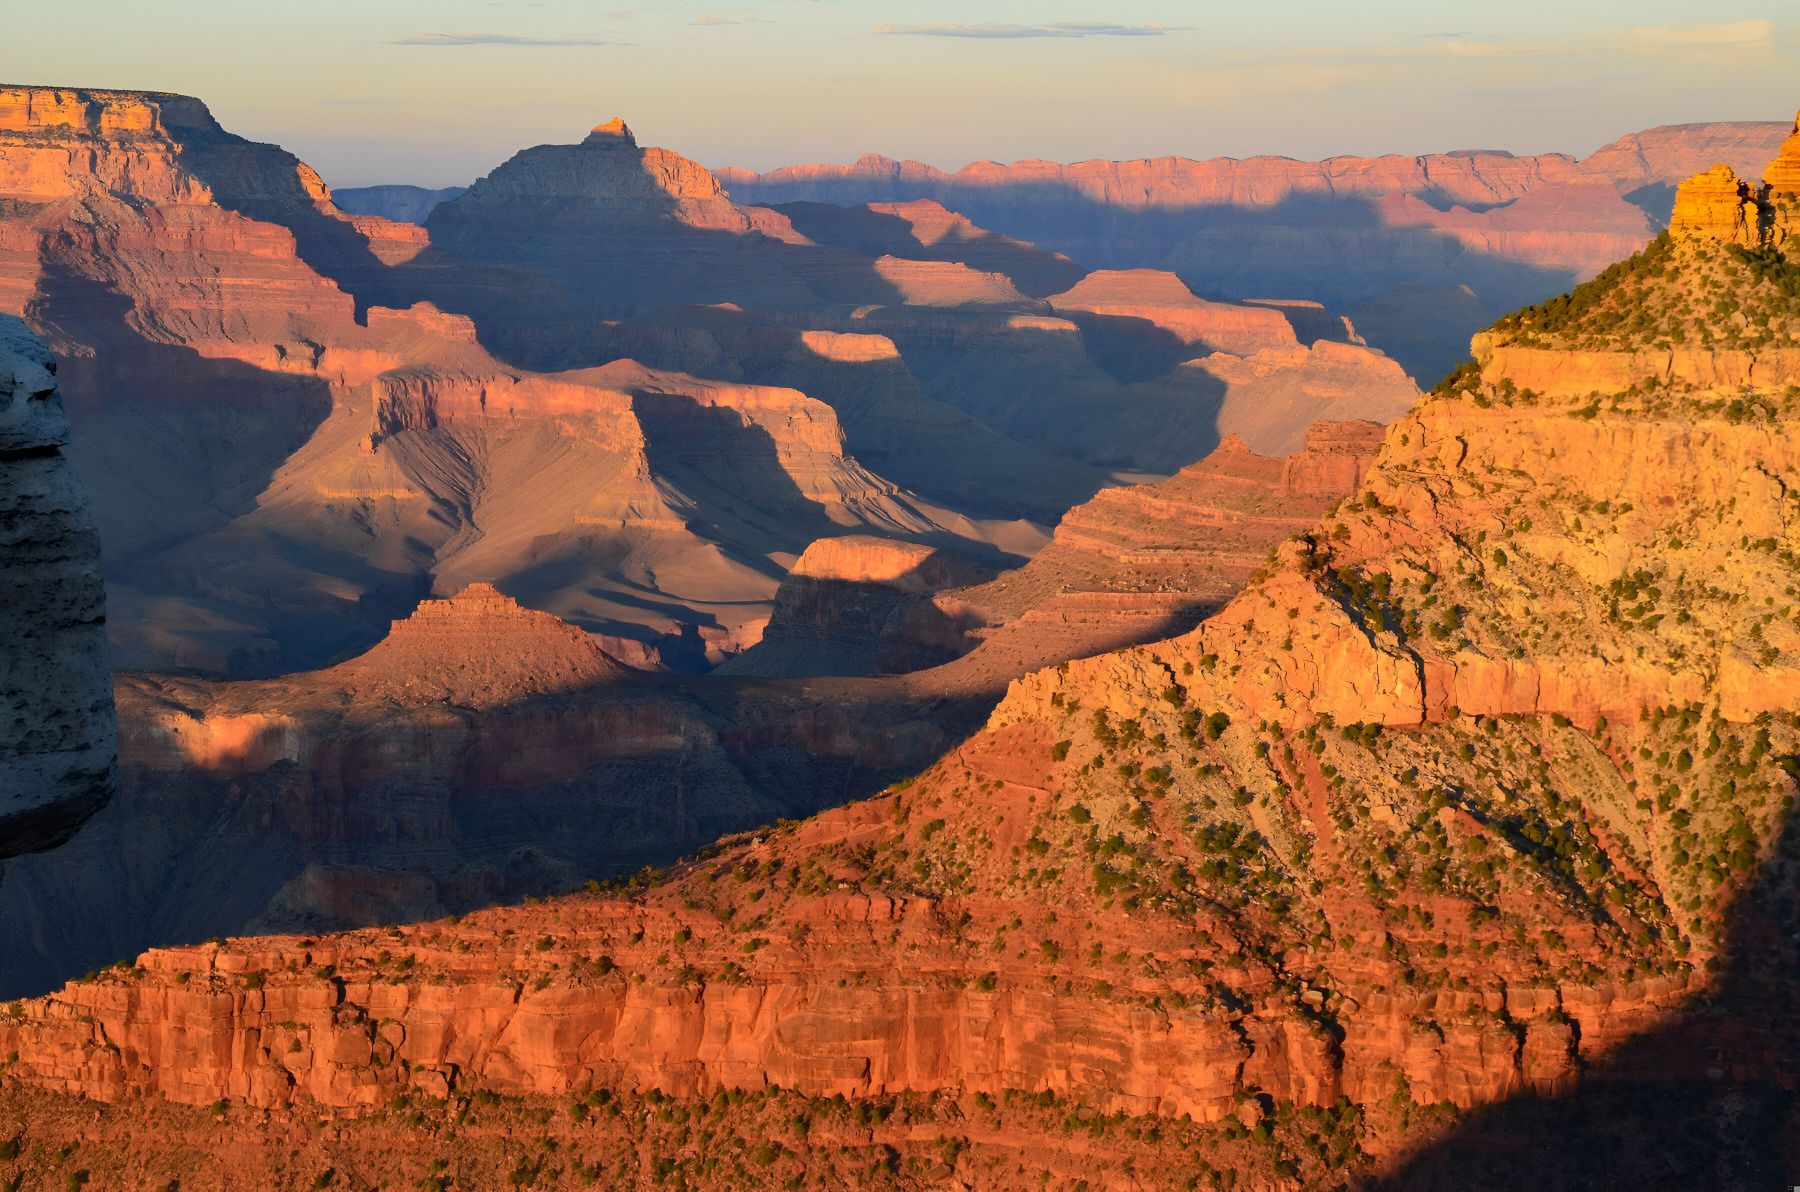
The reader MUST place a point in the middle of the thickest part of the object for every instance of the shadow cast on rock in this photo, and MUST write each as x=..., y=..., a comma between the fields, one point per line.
x=1705, y=1101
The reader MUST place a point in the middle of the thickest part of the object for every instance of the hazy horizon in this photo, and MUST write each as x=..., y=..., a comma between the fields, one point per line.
x=437, y=94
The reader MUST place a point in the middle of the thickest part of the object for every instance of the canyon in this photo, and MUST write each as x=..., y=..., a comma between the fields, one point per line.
x=592, y=379
x=1135, y=563
x=483, y=752
x=1453, y=850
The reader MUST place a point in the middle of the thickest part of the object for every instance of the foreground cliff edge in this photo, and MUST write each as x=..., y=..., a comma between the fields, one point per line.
x=1478, y=785
x=58, y=743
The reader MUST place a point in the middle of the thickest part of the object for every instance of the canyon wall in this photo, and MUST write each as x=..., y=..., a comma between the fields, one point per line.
x=1422, y=251
x=58, y=745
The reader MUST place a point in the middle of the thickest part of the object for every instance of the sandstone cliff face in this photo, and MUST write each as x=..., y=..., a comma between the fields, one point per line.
x=1719, y=205
x=58, y=748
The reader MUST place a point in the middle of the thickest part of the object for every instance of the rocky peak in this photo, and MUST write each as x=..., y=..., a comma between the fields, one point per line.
x=1783, y=172
x=613, y=132
x=1720, y=205
x=608, y=167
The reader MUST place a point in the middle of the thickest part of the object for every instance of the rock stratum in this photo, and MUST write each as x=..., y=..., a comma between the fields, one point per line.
x=58, y=748
x=1454, y=851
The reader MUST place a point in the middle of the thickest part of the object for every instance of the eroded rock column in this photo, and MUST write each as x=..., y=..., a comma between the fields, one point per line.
x=58, y=743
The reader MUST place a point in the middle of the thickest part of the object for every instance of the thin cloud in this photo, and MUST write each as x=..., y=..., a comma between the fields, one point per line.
x=1060, y=29
x=1435, y=49
x=1731, y=35
x=491, y=39
x=712, y=21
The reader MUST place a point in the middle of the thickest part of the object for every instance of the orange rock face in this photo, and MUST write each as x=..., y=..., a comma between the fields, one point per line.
x=1719, y=205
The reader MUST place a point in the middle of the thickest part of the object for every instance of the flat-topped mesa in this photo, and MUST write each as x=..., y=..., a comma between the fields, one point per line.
x=91, y=111
x=1720, y=205
x=478, y=648
x=61, y=143
x=1164, y=300
x=866, y=559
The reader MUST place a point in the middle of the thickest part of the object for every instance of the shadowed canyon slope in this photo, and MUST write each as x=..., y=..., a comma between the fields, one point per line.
x=1478, y=793
x=592, y=379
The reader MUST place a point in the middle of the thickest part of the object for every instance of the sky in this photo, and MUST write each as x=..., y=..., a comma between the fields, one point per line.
x=438, y=92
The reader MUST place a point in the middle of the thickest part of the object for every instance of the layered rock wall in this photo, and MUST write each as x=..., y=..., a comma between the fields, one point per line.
x=57, y=731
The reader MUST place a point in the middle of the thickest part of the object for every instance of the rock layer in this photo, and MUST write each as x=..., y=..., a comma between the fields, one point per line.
x=1135, y=563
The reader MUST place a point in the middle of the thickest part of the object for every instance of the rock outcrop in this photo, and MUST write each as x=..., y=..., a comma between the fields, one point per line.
x=477, y=649
x=57, y=735
x=1162, y=300
x=1719, y=205
x=856, y=605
